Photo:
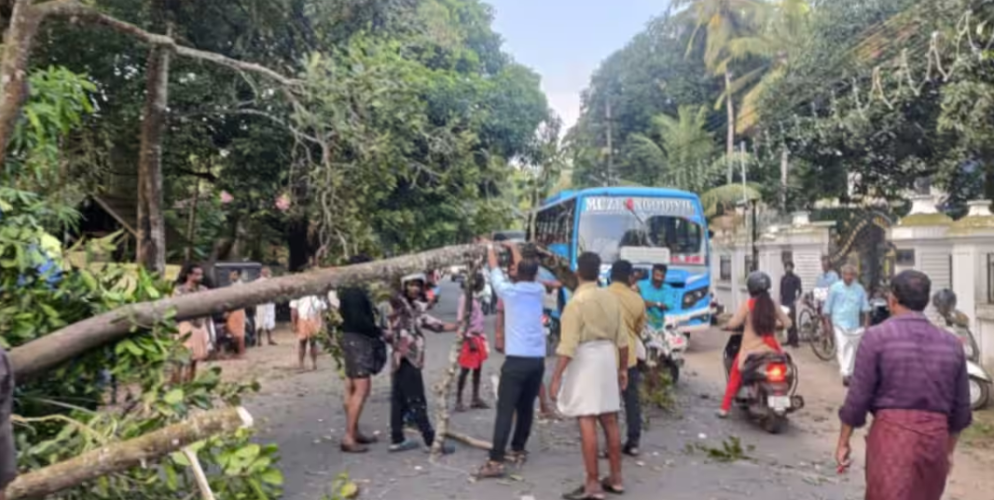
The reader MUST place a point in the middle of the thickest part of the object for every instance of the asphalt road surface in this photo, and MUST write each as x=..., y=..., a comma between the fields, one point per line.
x=304, y=415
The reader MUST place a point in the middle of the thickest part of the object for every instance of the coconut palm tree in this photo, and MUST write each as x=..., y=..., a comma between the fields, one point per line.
x=723, y=21
x=781, y=28
x=685, y=147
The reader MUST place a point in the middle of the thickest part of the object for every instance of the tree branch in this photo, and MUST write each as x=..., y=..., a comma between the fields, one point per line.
x=207, y=176
x=47, y=352
x=77, y=11
x=124, y=455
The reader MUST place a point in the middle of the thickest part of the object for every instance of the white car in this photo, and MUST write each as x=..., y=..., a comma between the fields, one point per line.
x=456, y=272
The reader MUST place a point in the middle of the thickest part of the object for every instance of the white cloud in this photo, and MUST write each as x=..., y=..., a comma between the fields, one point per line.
x=563, y=90
x=566, y=105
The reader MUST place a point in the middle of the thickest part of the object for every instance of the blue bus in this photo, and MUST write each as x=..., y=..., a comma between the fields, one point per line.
x=643, y=225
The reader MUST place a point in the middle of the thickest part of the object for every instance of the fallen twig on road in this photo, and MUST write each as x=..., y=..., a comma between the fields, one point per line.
x=465, y=439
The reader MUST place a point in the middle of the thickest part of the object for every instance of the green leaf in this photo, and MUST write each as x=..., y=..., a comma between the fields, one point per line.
x=272, y=476
x=173, y=397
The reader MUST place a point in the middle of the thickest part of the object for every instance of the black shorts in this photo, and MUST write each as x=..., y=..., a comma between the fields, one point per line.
x=358, y=352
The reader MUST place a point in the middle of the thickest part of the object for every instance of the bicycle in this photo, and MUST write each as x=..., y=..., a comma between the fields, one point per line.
x=811, y=325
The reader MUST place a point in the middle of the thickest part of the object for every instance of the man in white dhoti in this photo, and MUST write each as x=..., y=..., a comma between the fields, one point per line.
x=846, y=312
x=591, y=373
x=265, y=315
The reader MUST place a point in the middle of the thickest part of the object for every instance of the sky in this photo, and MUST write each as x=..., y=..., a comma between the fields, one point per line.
x=565, y=40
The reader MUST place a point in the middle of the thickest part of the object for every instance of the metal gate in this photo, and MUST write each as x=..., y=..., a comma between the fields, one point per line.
x=861, y=240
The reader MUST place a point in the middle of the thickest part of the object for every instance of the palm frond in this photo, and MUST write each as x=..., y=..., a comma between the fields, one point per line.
x=727, y=196
x=748, y=109
x=740, y=83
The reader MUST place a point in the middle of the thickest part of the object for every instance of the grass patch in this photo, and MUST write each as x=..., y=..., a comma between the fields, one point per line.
x=981, y=433
x=731, y=450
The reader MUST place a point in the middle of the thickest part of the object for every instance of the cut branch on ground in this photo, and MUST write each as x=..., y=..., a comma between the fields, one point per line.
x=124, y=455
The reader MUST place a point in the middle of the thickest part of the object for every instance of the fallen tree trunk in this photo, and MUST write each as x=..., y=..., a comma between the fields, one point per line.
x=49, y=351
x=124, y=455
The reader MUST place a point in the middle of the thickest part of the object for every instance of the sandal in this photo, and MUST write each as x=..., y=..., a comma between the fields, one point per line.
x=518, y=457
x=610, y=488
x=363, y=439
x=354, y=448
x=581, y=494
x=491, y=470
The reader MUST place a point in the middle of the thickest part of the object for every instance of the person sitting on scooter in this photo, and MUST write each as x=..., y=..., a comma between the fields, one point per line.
x=945, y=303
x=760, y=316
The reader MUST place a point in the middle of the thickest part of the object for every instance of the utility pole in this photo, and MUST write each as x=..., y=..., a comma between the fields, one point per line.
x=610, y=145
x=742, y=165
x=749, y=204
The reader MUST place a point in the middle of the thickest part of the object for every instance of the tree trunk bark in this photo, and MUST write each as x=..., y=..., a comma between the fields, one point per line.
x=730, y=140
x=445, y=385
x=58, y=347
x=299, y=243
x=17, y=46
x=191, y=224
x=124, y=455
x=151, y=224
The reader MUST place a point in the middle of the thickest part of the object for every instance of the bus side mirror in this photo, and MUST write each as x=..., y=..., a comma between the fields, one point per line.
x=710, y=234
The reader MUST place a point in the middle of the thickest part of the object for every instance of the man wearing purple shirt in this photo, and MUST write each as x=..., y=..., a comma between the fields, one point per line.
x=912, y=376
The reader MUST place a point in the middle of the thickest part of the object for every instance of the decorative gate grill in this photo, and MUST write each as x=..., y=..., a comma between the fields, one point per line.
x=861, y=240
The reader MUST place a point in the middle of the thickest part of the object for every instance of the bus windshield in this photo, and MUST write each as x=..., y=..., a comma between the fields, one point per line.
x=605, y=233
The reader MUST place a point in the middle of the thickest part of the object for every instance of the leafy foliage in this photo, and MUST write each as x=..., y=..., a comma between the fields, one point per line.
x=63, y=413
x=856, y=100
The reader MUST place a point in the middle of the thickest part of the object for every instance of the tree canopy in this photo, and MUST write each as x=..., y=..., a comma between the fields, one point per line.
x=845, y=99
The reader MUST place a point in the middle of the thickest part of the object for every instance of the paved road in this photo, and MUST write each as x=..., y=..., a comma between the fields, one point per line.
x=304, y=415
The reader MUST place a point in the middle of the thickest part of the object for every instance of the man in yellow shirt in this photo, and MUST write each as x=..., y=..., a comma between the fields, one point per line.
x=633, y=317
x=592, y=343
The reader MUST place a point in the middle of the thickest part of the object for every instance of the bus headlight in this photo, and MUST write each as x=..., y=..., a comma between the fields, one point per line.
x=694, y=296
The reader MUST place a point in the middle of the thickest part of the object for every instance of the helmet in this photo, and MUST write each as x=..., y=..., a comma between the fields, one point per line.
x=758, y=282
x=944, y=299
x=413, y=277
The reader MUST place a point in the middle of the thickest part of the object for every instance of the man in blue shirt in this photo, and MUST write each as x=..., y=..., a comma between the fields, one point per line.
x=655, y=292
x=828, y=276
x=523, y=344
x=846, y=315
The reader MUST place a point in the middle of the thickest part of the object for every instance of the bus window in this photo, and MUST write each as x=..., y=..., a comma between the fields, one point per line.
x=605, y=234
x=554, y=225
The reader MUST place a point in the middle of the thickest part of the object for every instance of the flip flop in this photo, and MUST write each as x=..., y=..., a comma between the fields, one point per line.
x=491, y=470
x=610, y=488
x=355, y=448
x=581, y=494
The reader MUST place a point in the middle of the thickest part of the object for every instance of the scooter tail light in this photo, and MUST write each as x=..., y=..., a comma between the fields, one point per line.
x=776, y=372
